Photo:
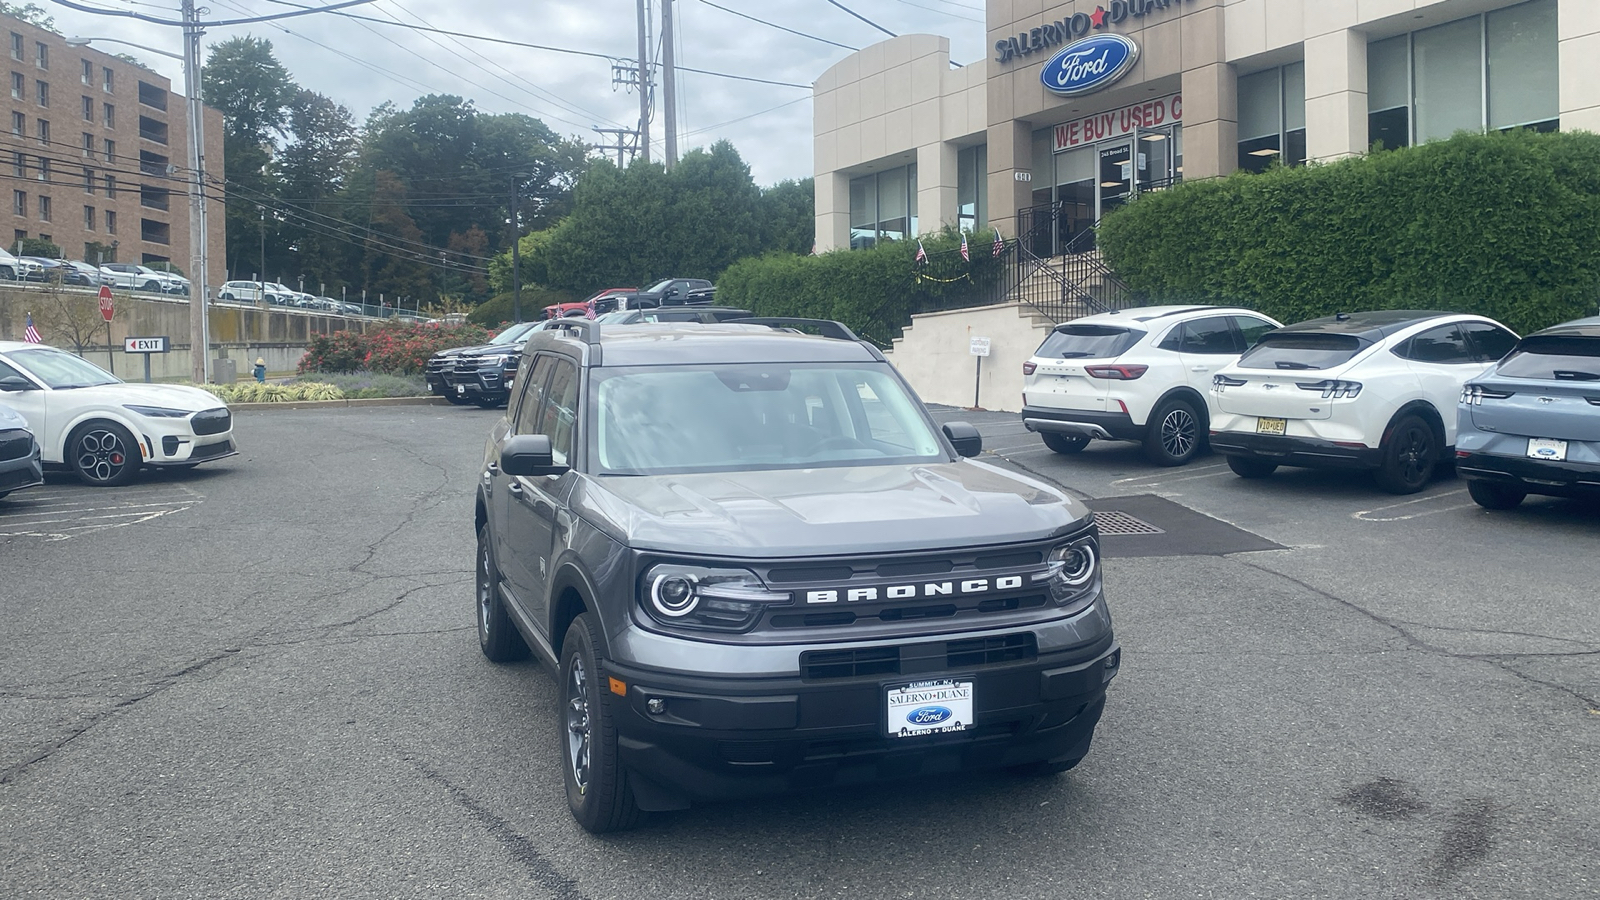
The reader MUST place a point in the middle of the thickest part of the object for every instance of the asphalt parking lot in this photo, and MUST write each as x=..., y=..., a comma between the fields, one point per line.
x=260, y=679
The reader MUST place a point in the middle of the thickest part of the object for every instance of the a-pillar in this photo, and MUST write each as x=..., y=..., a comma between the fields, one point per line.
x=1336, y=95
x=937, y=175
x=1578, y=31
x=1010, y=152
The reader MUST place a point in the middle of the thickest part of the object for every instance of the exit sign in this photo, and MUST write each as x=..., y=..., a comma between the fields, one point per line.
x=144, y=345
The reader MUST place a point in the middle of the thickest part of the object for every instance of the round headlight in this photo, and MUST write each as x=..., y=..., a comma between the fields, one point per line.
x=1077, y=564
x=673, y=595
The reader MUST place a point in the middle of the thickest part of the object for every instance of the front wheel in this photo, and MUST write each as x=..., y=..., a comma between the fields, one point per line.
x=1175, y=434
x=1064, y=443
x=227, y=296
x=103, y=453
x=152, y=287
x=1249, y=467
x=1408, y=456
x=497, y=637
x=1489, y=495
x=598, y=792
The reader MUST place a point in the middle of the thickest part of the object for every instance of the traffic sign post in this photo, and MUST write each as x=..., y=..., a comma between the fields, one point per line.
x=145, y=346
x=978, y=347
x=107, y=308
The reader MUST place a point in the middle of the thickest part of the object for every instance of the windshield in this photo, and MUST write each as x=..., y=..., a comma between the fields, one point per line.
x=660, y=286
x=513, y=333
x=649, y=421
x=1087, y=342
x=620, y=317
x=1554, y=358
x=62, y=370
x=1302, y=350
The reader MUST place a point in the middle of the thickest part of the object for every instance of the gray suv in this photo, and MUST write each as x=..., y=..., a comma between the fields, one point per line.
x=757, y=565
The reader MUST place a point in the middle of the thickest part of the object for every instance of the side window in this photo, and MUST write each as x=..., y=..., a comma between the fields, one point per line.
x=7, y=372
x=1444, y=345
x=1212, y=335
x=560, y=416
x=527, y=420
x=1252, y=328
x=1173, y=340
x=1491, y=343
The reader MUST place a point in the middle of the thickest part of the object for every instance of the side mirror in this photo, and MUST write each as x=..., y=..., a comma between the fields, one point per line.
x=965, y=438
x=529, y=454
x=14, y=383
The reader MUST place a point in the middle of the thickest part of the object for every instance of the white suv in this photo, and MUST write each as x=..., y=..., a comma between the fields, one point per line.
x=1373, y=390
x=1135, y=375
x=142, y=278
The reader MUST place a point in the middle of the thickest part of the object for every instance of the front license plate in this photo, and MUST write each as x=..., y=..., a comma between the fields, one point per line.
x=461, y=389
x=1541, y=448
x=1271, y=426
x=929, y=707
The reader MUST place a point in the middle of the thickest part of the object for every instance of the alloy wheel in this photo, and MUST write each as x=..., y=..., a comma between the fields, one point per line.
x=101, y=455
x=578, y=734
x=1178, y=433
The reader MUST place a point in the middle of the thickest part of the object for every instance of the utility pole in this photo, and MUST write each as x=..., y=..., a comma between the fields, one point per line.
x=516, y=257
x=644, y=80
x=622, y=145
x=669, y=84
x=199, y=290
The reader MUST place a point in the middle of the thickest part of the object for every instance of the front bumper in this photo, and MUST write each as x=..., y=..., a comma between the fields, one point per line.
x=22, y=470
x=477, y=383
x=1536, y=476
x=180, y=442
x=1295, y=451
x=1082, y=423
x=720, y=737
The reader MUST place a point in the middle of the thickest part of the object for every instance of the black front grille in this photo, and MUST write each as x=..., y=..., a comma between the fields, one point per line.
x=15, y=445
x=918, y=659
x=211, y=421
x=438, y=366
x=210, y=450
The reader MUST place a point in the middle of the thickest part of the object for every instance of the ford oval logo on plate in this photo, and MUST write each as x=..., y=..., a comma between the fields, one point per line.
x=929, y=715
x=1089, y=65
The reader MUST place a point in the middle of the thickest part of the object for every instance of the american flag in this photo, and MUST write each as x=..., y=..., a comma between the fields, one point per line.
x=588, y=310
x=999, y=243
x=964, y=254
x=922, y=253
x=32, y=334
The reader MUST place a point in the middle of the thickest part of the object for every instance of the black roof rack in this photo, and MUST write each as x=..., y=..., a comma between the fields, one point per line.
x=584, y=329
x=826, y=327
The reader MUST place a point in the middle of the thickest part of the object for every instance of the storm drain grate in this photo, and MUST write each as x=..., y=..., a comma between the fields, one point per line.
x=1113, y=522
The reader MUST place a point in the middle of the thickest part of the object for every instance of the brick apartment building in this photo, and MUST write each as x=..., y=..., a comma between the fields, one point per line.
x=95, y=152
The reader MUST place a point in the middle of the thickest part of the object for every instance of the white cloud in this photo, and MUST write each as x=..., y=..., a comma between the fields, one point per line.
x=362, y=65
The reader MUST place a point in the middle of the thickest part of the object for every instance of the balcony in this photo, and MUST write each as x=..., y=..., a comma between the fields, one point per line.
x=152, y=96
x=153, y=130
x=154, y=232
x=154, y=197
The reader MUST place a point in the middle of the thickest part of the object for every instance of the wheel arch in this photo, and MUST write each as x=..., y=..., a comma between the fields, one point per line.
x=1186, y=392
x=572, y=593
x=1428, y=413
x=56, y=453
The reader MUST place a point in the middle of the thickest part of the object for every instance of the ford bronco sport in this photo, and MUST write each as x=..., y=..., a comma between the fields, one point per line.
x=758, y=565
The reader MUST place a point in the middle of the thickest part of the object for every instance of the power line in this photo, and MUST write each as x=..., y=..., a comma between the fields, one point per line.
x=130, y=14
x=779, y=27
x=743, y=118
x=950, y=14
x=863, y=18
x=804, y=87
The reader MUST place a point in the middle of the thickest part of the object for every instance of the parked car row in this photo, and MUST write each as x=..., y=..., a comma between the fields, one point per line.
x=77, y=273
x=59, y=410
x=1398, y=393
x=484, y=374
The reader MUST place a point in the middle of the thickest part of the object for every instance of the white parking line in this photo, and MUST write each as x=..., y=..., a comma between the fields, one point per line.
x=1160, y=478
x=58, y=517
x=1366, y=515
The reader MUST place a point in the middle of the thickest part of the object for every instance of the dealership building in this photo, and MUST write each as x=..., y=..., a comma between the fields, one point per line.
x=1080, y=106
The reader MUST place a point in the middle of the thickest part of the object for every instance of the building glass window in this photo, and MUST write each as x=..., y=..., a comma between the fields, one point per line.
x=108, y=79
x=16, y=45
x=88, y=145
x=88, y=218
x=88, y=109
x=883, y=205
x=1496, y=70
x=88, y=72
x=44, y=209
x=111, y=221
x=19, y=84
x=88, y=181
x=111, y=150
x=1272, y=117
x=110, y=116
x=44, y=169
x=44, y=131
x=111, y=185
x=972, y=188
x=19, y=165
x=19, y=123
x=19, y=202
x=42, y=55
x=42, y=93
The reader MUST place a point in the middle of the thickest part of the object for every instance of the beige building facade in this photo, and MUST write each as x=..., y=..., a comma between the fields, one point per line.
x=95, y=152
x=1145, y=93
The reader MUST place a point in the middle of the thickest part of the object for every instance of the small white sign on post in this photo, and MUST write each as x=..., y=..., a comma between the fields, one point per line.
x=144, y=345
x=979, y=346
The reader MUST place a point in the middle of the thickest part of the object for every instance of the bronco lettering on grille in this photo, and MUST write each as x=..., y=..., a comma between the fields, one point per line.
x=911, y=591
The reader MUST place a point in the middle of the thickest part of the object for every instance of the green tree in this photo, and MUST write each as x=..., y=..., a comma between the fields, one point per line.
x=787, y=217
x=32, y=13
x=38, y=247
x=312, y=173
x=243, y=79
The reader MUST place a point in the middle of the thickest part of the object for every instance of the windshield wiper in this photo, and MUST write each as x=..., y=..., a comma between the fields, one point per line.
x=1076, y=354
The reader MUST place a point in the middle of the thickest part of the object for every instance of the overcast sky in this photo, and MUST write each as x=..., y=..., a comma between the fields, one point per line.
x=362, y=65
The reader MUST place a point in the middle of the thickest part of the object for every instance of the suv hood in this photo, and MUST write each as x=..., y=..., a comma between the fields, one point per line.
x=830, y=511
x=171, y=396
x=512, y=349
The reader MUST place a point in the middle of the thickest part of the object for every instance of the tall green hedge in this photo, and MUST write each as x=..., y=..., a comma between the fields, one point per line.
x=1505, y=225
x=874, y=291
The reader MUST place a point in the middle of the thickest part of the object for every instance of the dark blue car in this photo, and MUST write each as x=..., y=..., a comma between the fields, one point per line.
x=1531, y=424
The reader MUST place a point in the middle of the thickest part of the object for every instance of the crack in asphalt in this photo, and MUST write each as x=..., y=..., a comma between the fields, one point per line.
x=1417, y=643
x=10, y=774
x=534, y=862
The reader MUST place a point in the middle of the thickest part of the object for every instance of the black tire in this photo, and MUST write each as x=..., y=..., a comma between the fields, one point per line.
x=1409, y=452
x=103, y=454
x=1489, y=495
x=227, y=295
x=1064, y=443
x=1176, y=432
x=152, y=287
x=8, y=273
x=498, y=638
x=1250, y=467
x=598, y=792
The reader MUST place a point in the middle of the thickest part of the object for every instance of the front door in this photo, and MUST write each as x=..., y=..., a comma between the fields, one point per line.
x=535, y=503
x=1116, y=175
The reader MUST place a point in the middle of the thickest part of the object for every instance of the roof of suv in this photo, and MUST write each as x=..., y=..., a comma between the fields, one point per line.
x=1372, y=326
x=1589, y=327
x=1147, y=314
x=687, y=343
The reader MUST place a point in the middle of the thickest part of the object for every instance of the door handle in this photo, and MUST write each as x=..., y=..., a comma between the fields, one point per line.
x=1198, y=368
x=494, y=468
x=515, y=490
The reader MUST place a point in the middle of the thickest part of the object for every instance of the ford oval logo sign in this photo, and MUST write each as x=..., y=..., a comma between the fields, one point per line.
x=1089, y=65
x=928, y=715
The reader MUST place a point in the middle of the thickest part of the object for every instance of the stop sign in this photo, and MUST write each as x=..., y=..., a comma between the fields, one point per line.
x=106, y=309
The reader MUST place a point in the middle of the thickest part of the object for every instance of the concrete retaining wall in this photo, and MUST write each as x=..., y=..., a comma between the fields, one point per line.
x=240, y=332
x=934, y=354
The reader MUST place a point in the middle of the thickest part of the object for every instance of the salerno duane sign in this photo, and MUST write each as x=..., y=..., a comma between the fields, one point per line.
x=1053, y=34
